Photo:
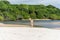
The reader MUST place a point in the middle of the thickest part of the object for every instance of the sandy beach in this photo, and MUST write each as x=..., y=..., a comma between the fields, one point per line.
x=27, y=33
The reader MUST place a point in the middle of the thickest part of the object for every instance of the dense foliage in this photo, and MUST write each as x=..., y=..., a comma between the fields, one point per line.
x=17, y=11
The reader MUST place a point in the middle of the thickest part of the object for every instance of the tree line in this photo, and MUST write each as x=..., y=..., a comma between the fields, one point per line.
x=17, y=11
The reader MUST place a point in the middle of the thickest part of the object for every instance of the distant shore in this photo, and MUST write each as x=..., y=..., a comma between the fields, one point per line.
x=37, y=19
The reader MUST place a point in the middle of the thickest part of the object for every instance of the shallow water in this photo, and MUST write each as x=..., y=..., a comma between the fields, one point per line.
x=44, y=23
x=49, y=23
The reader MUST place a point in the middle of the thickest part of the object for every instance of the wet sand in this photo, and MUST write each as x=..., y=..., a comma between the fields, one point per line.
x=12, y=25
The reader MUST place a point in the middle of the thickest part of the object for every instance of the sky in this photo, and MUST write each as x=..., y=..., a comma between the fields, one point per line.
x=55, y=3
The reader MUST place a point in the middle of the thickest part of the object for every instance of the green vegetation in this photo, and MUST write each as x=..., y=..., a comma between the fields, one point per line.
x=17, y=11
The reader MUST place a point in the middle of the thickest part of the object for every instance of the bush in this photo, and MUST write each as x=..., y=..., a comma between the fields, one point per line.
x=1, y=18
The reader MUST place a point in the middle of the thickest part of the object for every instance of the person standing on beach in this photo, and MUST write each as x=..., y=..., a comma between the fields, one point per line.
x=31, y=22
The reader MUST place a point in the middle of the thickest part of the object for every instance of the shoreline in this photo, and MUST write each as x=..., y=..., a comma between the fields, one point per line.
x=24, y=26
x=13, y=25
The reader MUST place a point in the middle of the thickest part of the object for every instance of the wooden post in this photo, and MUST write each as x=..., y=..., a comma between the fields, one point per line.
x=31, y=22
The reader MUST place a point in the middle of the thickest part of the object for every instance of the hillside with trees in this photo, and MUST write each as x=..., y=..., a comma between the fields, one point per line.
x=17, y=11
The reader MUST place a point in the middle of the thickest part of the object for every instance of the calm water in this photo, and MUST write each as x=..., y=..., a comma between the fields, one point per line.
x=44, y=23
